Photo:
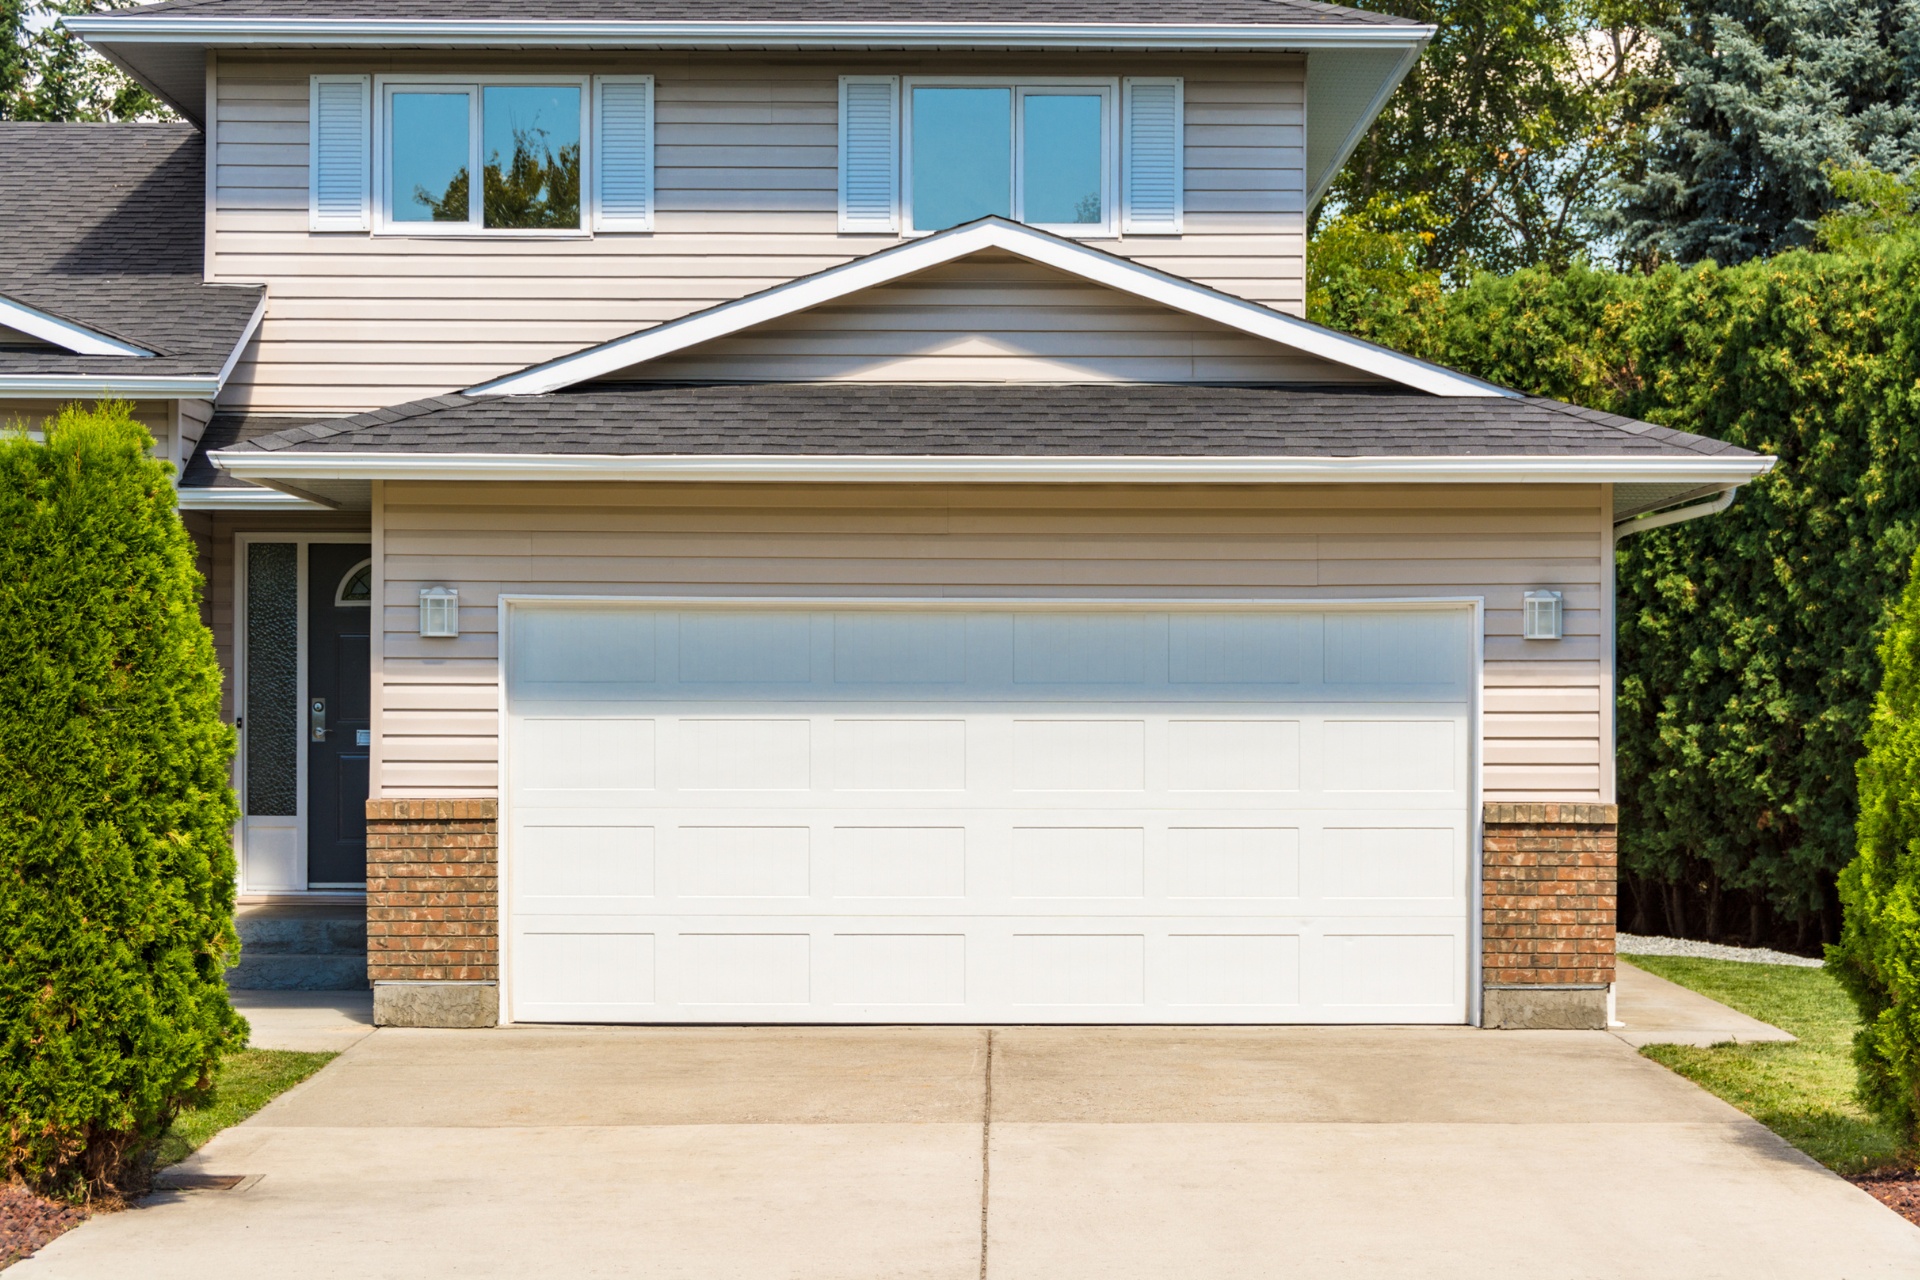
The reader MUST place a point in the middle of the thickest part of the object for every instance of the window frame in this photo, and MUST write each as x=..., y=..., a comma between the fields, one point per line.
x=1021, y=88
x=384, y=224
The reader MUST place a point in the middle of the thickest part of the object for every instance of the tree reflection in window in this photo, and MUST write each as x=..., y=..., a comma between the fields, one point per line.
x=530, y=135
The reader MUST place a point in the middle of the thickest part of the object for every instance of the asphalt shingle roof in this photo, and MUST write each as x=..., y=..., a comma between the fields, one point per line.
x=102, y=225
x=1166, y=12
x=887, y=419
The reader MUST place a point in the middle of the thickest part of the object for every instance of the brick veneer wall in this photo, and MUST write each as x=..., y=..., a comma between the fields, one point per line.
x=433, y=903
x=1549, y=883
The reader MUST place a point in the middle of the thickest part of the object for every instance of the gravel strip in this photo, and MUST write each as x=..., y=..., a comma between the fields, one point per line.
x=28, y=1221
x=1900, y=1192
x=1633, y=944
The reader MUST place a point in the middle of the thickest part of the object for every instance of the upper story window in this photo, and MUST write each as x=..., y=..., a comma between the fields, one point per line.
x=1077, y=157
x=523, y=140
x=1038, y=153
x=503, y=155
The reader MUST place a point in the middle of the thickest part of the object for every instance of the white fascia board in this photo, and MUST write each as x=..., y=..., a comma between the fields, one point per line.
x=243, y=500
x=246, y=336
x=1041, y=247
x=78, y=339
x=130, y=29
x=16, y=386
x=291, y=467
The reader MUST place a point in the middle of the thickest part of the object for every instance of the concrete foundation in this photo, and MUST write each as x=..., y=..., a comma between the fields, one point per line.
x=1544, y=1008
x=436, y=1004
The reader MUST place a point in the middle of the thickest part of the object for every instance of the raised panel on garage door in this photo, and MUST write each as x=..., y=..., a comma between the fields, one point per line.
x=968, y=813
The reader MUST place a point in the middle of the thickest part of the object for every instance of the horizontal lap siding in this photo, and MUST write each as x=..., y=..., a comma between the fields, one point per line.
x=746, y=155
x=1545, y=734
x=993, y=317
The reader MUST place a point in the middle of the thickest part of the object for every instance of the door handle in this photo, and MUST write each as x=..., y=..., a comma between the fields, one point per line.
x=319, y=717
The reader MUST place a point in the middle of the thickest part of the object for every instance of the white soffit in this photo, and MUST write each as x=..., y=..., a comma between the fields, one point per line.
x=989, y=233
x=65, y=334
x=1346, y=89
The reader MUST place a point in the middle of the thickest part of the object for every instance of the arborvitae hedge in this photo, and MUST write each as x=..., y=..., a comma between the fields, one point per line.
x=1878, y=958
x=1747, y=640
x=116, y=874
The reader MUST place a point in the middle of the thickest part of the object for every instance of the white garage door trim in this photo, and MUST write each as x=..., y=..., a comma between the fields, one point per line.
x=1472, y=607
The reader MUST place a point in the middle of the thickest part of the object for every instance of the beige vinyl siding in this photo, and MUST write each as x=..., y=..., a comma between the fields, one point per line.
x=1544, y=729
x=992, y=317
x=746, y=174
x=190, y=418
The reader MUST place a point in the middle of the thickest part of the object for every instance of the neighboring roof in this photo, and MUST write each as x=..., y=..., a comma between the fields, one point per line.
x=1121, y=274
x=103, y=229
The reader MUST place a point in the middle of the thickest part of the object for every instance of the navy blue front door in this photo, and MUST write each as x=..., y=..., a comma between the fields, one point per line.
x=338, y=724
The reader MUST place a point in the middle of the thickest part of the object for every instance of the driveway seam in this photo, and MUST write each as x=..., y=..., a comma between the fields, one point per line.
x=986, y=1140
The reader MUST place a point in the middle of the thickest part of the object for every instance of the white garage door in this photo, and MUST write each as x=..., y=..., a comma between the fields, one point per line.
x=1000, y=813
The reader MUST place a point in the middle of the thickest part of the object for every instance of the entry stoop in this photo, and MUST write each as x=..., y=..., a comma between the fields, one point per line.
x=300, y=947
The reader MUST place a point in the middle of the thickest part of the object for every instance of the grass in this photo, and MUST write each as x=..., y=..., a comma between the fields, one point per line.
x=246, y=1081
x=1804, y=1091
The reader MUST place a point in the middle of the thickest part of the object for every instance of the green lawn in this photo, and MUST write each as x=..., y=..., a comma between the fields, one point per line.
x=1804, y=1091
x=246, y=1081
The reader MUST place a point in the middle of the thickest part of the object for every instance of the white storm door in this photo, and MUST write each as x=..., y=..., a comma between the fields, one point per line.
x=1005, y=813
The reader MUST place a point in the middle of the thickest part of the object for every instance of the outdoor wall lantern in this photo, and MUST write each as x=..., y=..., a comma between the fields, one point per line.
x=439, y=611
x=1542, y=619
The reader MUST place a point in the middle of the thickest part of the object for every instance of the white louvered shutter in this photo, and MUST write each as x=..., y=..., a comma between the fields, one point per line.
x=869, y=153
x=623, y=153
x=339, y=139
x=1153, y=161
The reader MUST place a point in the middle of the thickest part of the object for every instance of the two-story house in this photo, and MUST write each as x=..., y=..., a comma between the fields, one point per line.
x=715, y=513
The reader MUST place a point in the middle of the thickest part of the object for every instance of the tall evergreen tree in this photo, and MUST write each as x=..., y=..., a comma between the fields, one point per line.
x=1771, y=97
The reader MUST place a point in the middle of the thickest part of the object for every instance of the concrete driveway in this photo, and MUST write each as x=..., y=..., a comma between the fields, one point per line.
x=852, y=1153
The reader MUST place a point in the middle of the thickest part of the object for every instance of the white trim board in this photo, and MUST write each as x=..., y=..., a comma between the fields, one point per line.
x=288, y=466
x=1036, y=246
x=204, y=499
x=430, y=33
x=78, y=339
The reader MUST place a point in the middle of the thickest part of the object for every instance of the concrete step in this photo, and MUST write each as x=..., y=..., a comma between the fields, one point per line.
x=292, y=971
x=301, y=947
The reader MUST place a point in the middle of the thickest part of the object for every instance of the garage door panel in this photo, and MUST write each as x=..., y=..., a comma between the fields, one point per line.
x=1049, y=968
x=888, y=863
x=883, y=815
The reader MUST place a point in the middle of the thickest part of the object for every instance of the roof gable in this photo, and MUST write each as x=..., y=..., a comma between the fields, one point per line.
x=1319, y=354
x=991, y=317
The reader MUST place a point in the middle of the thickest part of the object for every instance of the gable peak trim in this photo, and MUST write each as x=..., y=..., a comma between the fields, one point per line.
x=1041, y=247
x=78, y=339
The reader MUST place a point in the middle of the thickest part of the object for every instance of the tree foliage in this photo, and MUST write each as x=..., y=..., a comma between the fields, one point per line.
x=1746, y=646
x=46, y=73
x=1770, y=98
x=1498, y=147
x=1878, y=957
x=116, y=874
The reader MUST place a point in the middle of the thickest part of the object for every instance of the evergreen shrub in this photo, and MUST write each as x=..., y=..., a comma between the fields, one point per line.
x=116, y=872
x=1746, y=643
x=1878, y=957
